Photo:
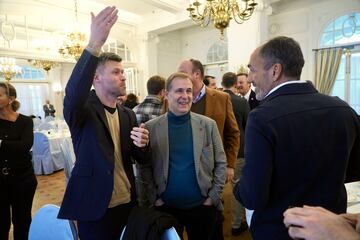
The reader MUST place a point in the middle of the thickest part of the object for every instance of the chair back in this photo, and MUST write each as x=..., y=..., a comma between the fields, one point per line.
x=41, y=156
x=69, y=156
x=170, y=234
x=46, y=226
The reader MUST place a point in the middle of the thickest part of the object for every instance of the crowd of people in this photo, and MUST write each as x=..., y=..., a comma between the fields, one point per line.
x=286, y=149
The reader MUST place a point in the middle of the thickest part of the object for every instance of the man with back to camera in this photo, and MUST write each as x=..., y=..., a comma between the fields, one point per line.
x=244, y=88
x=152, y=105
x=241, y=110
x=101, y=190
x=300, y=145
x=188, y=162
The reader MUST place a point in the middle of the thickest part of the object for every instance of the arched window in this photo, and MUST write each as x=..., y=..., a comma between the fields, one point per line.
x=129, y=66
x=218, y=52
x=217, y=61
x=345, y=31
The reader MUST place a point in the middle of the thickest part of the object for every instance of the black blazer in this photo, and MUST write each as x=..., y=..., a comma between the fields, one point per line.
x=90, y=186
x=241, y=111
x=253, y=102
x=300, y=148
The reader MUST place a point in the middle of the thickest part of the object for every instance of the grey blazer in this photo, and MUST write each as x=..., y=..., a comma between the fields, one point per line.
x=209, y=156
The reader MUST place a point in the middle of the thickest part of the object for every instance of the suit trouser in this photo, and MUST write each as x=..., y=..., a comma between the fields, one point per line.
x=236, y=207
x=199, y=222
x=108, y=227
x=17, y=194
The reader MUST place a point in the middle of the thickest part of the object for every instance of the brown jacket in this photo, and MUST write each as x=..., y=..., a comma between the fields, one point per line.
x=219, y=108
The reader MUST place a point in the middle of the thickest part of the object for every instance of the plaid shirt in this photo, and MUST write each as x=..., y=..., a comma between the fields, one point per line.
x=150, y=108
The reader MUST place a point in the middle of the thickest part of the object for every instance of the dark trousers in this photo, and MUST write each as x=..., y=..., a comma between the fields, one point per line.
x=108, y=227
x=199, y=222
x=218, y=233
x=17, y=194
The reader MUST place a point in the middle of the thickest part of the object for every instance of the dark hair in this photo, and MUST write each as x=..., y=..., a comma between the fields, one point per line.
x=197, y=65
x=107, y=56
x=131, y=101
x=10, y=91
x=206, y=80
x=155, y=84
x=229, y=79
x=287, y=52
x=173, y=76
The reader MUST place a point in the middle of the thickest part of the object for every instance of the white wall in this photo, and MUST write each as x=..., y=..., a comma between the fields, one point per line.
x=304, y=21
x=191, y=42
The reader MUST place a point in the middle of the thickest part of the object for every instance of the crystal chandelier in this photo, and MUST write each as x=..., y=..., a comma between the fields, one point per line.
x=8, y=68
x=44, y=64
x=75, y=42
x=220, y=12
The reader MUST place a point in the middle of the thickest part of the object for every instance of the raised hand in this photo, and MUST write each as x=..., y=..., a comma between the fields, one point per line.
x=101, y=25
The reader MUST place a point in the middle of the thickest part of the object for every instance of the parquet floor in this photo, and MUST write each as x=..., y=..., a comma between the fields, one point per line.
x=51, y=190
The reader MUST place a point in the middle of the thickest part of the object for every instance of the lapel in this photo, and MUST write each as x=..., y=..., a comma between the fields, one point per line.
x=198, y=132
x=162, y=137
x=125, y=123
x=99, y=108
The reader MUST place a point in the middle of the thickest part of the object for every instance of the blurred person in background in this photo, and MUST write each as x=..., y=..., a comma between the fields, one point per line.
x=131, y=101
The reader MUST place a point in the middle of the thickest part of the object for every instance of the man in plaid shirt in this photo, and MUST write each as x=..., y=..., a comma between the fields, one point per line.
x=152, y=105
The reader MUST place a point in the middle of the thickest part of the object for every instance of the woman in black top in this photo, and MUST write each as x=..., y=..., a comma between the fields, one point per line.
x=17, y=180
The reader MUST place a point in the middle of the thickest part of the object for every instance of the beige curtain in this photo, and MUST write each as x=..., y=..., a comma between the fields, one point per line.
x=327, y=64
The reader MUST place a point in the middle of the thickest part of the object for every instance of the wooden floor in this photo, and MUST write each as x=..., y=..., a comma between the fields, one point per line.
x=51, y=190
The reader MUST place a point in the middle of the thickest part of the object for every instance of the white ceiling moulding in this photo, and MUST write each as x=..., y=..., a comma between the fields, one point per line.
x=166, y=5
x=28, y=54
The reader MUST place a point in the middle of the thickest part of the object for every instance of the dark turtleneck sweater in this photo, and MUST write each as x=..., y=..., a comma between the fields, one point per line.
x=182, y=190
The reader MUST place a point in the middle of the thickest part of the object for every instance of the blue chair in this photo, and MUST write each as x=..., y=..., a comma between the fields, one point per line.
x=169, y=234
x=46, y=226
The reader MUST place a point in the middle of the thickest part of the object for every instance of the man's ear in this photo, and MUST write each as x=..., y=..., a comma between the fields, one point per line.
x=277, y=71
x=96, y=76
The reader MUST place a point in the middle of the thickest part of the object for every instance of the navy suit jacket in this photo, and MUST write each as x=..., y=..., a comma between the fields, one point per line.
x=90, y=186
x=300, y=148
x=253, y=102
x=241, y=111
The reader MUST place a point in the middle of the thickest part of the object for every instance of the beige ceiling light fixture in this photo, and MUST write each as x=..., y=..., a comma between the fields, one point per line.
x=220, y=12
x=75, y=42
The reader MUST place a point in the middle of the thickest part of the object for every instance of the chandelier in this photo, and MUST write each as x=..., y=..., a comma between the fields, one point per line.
x=75, y=42
x=44, y=64
x=8, y=68
x=220, y=12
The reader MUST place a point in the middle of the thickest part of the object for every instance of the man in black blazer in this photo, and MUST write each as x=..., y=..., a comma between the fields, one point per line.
x=300, y=145
x=244, y=88
x=241, y=110
x=49, y=109
x=101, y=190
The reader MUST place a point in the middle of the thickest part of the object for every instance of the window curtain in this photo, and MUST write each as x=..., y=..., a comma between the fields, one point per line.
x=327, y=64
x=32, y=97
